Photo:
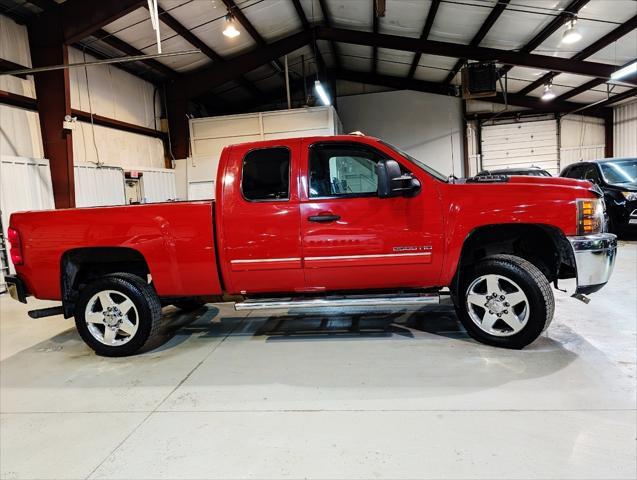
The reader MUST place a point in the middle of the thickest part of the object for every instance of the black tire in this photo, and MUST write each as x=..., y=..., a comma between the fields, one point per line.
x=189, y=304
x=534, y=285
x=146, y=302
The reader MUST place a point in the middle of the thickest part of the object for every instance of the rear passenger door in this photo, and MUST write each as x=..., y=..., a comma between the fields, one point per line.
x=260, y=219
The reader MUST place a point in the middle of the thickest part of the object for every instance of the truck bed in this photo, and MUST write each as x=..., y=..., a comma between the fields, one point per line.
x=175, y=238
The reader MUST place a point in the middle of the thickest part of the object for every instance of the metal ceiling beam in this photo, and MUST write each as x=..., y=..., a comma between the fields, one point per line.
x=593, y=48
x=320, y=63
x=327, y=18
x=7, y=65
x=429, y=21
x=399, y=83
x=128, y=49
x=478, y=37
x=149, y=75
x=443, y=89
x=446, y=49
x=200, y=82
x=195, y=41
x=256, y=36
x=44, y=4
x=81, y=18
x=20, y=101
x=375, y=22
x=572, y=9
x=618, y=98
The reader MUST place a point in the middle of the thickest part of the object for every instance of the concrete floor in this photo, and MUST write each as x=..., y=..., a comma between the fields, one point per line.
x=249, y=396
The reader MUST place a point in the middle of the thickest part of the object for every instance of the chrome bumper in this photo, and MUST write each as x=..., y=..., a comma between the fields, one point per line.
x=594, y=259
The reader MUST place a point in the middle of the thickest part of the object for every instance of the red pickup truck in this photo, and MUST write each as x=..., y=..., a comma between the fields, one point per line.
x=312, y=222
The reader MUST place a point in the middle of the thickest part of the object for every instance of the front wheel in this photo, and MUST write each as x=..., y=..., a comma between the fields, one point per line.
x=505, y=301
x=118, y=315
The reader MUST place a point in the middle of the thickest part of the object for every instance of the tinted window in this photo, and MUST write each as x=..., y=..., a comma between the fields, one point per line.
x=575, y=172
x=620, y=171
x=342, y=170
x=266, y=174
x=590, y=173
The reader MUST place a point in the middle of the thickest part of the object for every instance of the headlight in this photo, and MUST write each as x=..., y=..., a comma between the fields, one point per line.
x=630, y=196
x=590, y=216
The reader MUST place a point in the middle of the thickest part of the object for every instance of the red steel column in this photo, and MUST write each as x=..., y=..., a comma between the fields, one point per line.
x=54, y=102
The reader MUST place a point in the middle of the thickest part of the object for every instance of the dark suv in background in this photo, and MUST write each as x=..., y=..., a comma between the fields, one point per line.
x=617, y=177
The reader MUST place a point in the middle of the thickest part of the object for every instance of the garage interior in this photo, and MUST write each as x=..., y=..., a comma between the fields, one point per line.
x=134, y=103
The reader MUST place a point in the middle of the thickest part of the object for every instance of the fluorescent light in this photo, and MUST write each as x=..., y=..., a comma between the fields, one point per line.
x=322, y=93
x=230, y=30
x=624, y=72
x=548, y=94
x=571, y=34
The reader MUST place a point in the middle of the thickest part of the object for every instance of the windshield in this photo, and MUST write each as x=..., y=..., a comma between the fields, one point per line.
x=620, y=171
x=425, y=167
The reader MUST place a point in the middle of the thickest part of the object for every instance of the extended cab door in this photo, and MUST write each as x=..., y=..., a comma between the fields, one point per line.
x=258, y=218
x=352, y=239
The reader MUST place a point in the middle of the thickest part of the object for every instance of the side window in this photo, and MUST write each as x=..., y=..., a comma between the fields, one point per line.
x=343, y=170
x=591, y=174
x=266, y=174
x=575, y=172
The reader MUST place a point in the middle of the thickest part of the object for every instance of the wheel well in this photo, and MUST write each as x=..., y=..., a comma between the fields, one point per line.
x=83, y=265
x=544, y=246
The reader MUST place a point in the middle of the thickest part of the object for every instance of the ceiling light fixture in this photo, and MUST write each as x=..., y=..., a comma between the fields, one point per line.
x=629, y=69
x=322, y=93
x=548, y=94
x=230, y=30
x=571, y=34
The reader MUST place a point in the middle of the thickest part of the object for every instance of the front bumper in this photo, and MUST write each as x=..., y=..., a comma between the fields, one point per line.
x=16, y=288
x=594, y=258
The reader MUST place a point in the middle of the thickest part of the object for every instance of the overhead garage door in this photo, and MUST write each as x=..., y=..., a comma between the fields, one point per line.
x=521, y=144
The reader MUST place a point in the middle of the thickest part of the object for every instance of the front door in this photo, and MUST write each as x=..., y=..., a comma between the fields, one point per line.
x=351, y=238
x=260, y=222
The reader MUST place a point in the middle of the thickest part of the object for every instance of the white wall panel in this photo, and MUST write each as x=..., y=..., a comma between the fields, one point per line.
x=625, y=130
x=158, y=185
x=208, y=137
x=98, y=186
x=427, y=126
x=14, y=47
x=116, y=148
x=581, y=138
x=20, y=132
x=25, y=184
x=114, y=93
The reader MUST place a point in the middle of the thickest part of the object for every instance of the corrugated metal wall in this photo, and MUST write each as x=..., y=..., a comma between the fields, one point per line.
x=625, y=130
x=98, y=186
x=25, y=184
x=158, y=185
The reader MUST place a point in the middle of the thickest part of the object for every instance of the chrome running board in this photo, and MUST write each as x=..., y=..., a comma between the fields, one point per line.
x=397, y=300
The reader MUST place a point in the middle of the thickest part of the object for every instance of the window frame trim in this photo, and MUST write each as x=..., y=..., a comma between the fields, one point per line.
x=289, y=196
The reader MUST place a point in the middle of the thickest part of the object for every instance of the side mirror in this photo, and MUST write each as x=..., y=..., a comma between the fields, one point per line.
x=392, y=182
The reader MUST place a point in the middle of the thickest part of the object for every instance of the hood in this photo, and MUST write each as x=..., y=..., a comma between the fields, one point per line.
x=534, y=180
x=561, y=181
x=628, y=187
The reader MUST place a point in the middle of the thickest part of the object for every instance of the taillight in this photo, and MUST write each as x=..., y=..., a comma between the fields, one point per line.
x=590, y=216
x=16, y=246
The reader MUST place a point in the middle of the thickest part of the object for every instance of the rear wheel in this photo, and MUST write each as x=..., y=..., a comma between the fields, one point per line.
x=505, y=301
x=118, y=315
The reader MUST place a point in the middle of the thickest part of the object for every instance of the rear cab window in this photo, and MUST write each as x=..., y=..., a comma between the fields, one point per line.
x=265, y=175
